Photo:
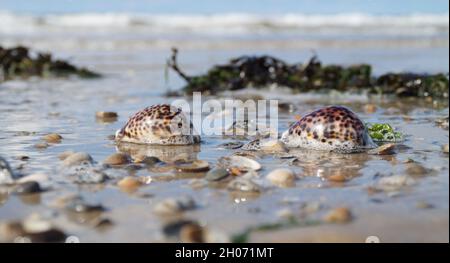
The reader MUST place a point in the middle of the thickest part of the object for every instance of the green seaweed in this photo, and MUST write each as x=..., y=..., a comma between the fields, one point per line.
x=383, y=132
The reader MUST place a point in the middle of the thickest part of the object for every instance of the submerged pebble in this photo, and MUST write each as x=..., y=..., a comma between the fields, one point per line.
x=106, y=114
x=243, y=185
x=445, y=148
x=78, y=158
x=196, y=166
x=338, y=215
x=217, y=174
x=192, y=233
x=416, y=170
x=62, y=156
x=41, y=145
x=272, y=146
x=89, y=176
x=239, y=162
x=392, y=183
x=79, y=205
x=282, y=177
x=173, y=206
x=52, y=138
x=117, y=159
x=129, y=184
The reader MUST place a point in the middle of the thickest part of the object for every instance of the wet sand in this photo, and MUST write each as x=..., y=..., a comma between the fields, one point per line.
x=415, y=212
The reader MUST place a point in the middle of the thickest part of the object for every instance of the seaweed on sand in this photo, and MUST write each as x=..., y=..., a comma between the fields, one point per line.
x=263, y=71
x=19, y=62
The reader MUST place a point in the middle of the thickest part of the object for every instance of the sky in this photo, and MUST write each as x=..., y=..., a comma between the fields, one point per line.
x=383, y=7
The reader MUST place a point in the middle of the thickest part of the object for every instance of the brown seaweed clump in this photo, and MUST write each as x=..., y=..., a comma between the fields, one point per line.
x=17, y=62
x=263, y=71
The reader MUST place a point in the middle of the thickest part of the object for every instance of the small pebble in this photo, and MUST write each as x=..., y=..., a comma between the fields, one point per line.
x=41, y=145
x=217, y=174
x=117, y=159
x=129, y=184
x=395, y=181
x=424, y=205
x=78, y=205
x=282, y=177
x=173, y=206
x=52, y=138
x=338, y=178
x=62, y=156
x=147, y=160
x=240, y=162
x=196, y=166
x=370, y=108
x=445, y=148
x=30, y=187
x=386, y=149
x=416, y=170
x=338, y=215
x=37, y=177
x=106, y=114
x=90, y=176
x=244, y=185
x=273, y=146
x=78, y=159
x=191, y=233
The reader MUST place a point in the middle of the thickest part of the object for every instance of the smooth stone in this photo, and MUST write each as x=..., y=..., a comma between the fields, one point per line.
x=171, y=206
x=445, y=148
x=416, y=170
x=42, y=145
x=217, y=174
x=240, y=162
x=370, y=108
x=192, y=233
x=36, y=224
x=386, y=149
x=129, y=184
x=282, y=177
x=273, y=146
x=37, y=177
x=62, y=156
x=338, y=178
x=78, y=159
x=30, y=187
x=78, y=205
x=7, y=176
x=243, y=185
x=117, y=159
x=338, y=215
x=194, y=167
x=90, y=176
x=424, y=205
x=52, y=138
x=395, y=181
x=147, y=160
x=106, y=114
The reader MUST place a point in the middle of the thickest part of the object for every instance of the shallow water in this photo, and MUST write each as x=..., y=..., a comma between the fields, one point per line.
x=32, y=108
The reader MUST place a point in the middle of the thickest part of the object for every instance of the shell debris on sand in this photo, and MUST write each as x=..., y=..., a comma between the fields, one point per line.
x=282, y=177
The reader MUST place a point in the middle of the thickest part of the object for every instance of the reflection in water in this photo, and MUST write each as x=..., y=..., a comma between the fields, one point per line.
x=326, y=164
x=168, y=154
